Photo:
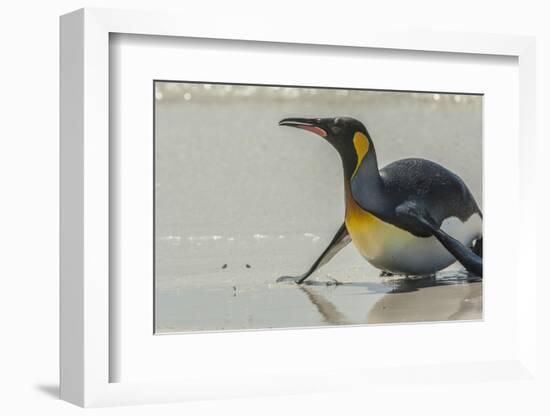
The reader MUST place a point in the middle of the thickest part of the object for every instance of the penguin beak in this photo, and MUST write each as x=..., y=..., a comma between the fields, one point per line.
x=309, y=124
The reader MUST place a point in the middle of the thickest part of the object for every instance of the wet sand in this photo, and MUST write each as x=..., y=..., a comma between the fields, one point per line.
x=234, y=304
x=432, y=303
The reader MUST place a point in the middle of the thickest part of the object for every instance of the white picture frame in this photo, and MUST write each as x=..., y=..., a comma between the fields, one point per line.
x=85, y=224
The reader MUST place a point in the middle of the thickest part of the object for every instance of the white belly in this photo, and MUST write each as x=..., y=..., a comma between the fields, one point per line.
x=398, y=251
x=417, y=256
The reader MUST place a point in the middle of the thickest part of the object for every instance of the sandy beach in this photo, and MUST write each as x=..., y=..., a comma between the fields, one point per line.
x=232, y=302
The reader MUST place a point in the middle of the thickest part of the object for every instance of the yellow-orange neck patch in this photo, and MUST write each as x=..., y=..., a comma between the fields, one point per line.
x=361, y=144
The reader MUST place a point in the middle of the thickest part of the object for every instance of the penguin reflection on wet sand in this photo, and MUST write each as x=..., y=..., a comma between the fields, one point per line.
x=413, y=217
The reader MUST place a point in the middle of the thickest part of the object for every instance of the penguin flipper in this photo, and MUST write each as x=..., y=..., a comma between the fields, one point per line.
x=338, y=242
x=420, y=223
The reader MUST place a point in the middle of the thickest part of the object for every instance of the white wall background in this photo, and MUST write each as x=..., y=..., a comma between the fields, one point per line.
x=29, y=210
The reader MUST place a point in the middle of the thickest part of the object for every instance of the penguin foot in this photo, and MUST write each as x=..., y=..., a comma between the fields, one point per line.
x=384, y=273
x=295, y=279
x=477, y=247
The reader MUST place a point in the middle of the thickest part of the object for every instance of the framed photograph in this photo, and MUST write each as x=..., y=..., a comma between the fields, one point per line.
x=236, y=209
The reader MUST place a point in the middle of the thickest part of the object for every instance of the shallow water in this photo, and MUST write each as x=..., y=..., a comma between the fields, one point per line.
x=231, y=292
x=230, y=306
x=234, y=189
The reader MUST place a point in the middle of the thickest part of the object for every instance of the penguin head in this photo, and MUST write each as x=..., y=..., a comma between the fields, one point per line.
x=347, y=135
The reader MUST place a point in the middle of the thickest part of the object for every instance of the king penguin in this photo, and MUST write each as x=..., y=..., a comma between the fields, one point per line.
x=412, y=217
